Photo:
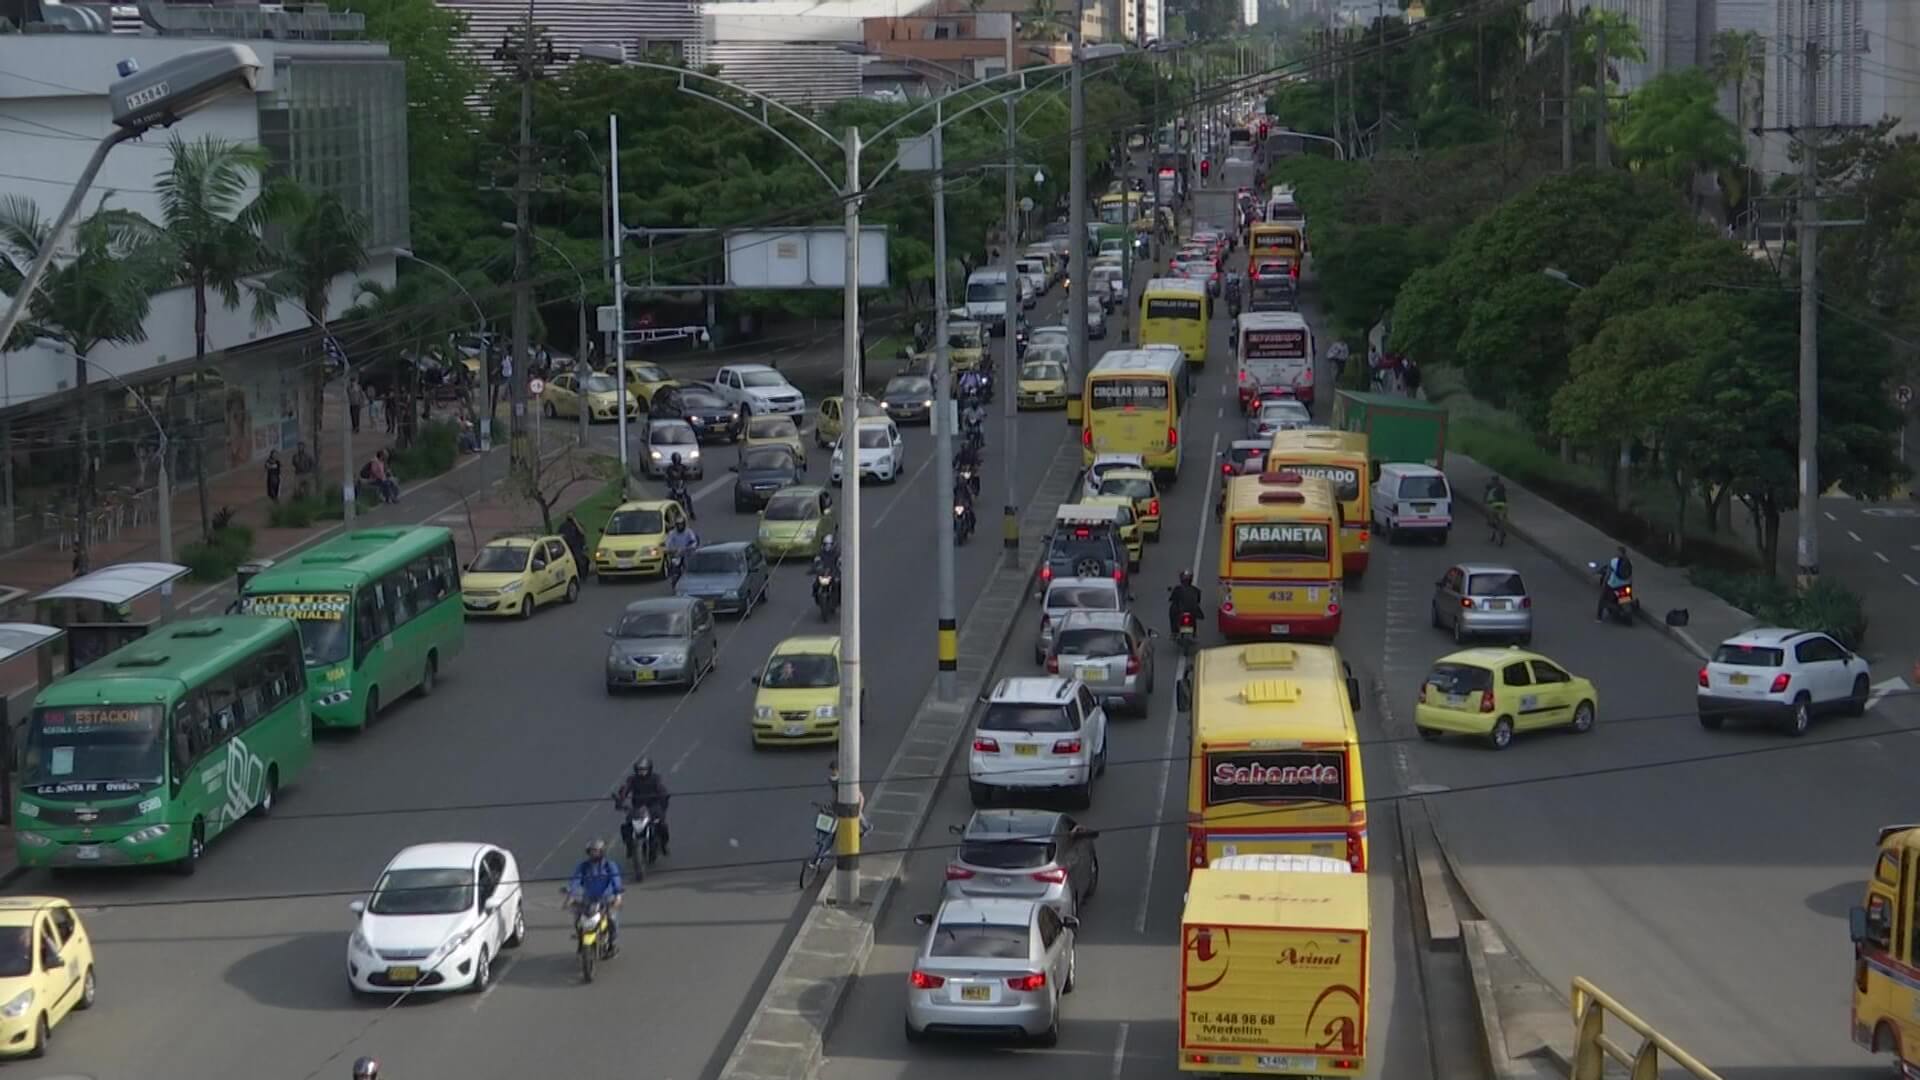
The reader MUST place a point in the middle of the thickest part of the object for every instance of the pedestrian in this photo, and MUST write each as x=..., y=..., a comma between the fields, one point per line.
x=375, y=472
x=576, y=538
x=389, y=483
x=356, y=400
x=1410, y=377
x=390, y=405
x=303, y=469
x=273, y=475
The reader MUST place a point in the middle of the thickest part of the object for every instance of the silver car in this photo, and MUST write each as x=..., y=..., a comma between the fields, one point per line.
x=1069, y=594
x=1039, y=855
x=1277, y=415
x=991, y=966
x=667, y=640
x=1483, y=600
x=1111, y=652
x=665, y=438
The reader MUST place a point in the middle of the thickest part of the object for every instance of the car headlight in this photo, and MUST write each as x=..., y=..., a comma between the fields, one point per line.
x=32, y=839
x=17, y=1008
x=653, y=552
x=672, y=658
x=149, y=834
x=656, y=455
x=602, y=553
x=358, y=943
x=827, y=712
x=511, y=586
x=927, y=404
x=763, y=712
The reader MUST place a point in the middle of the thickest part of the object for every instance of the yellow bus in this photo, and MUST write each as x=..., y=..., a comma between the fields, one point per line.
x=1134, y=401
x=1275, y=755
x=1280, y=564
x=1885, y=1017
x=1175, y=311
x=1339, y=458
x=1276, y=242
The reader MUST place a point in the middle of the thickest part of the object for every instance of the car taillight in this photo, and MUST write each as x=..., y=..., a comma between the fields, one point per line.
x=1703, y=676
x=1294, y=272
x=1053, y=665
x=1227, y=469
x=1333, y=608
x=1356, y=854
x=1046, y=574
x=1119, y=573
x=1465, y=603
x=1363, y=536
x=1780, y=682
x=1226, y=607
x=1133, y=665
x=1035, y=981
x=1423, y=693
x=1173, y=440
x=986, y=746
x=958, y=873
x=1526, y=601
x=1051, y=877
x=1086, y=437
x=923, y=981
x=1067, y=746
x=1153, y=507
x=1486, y=701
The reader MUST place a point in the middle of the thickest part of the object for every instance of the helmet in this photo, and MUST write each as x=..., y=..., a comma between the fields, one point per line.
x=827, y=542
x=643, y=767
x=676, y=457
x=596, y=847
x=1186, y=577
x=366, y=1069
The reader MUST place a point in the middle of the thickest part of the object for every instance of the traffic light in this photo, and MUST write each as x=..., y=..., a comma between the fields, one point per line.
x=1263, y=129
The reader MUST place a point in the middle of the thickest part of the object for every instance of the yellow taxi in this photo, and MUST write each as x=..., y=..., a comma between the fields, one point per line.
x=1494, y=692
x=514, y=574
x=46, y=971
x=1129, y=526
x=1043, y=383
x=794, y=521
x=830, y=422
x=774, y=430
x=966, y=345
x=567, y=393
x=798, y=700
x=645, y=379
x=634, y=541
x=1136, y=485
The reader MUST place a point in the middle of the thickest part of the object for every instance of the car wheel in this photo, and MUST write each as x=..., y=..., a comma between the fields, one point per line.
x=89, y=991
x=1073, y=969
x=1501, y=736
x=1801, y=718
x=1051, y=1036
x=373, y=708
x=1082, y=797
x=526, y=607
x=1526, y=639
x=1040, y=658
x=1711, y=721
x=1429, y=734
x=269, y=793
x=1857, y=701
x=1093, y=878
x=1583, y=717
x=914, y=1034
x=482, y=972
x=552, y=413
x=430, y=675
x=980, y=794
x=573, y=590
x=518, y=936
x=196, y=847
x=42, y=1033
x=1433, y=616
x=1459, y=630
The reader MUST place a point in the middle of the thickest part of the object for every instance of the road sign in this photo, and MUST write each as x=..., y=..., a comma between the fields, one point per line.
x=534, y=386
x=1903, y=393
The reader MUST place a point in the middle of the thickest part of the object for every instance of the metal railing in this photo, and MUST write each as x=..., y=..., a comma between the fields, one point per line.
x=1593, y=1047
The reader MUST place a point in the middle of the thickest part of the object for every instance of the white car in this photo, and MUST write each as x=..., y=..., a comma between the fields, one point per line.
x=1037, y=734
x=1785, y=676
x=883, y=454
x=666, y=438
x=1104, y=462
x=1277, y=414
x=1035, y=272
x=759, y=390
x=1047, y=335
x=437, y=920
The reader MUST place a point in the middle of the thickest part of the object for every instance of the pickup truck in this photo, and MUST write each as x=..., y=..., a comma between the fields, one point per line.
x=759, y=390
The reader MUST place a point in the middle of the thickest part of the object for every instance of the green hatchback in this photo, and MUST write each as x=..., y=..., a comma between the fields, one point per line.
x=796, y=519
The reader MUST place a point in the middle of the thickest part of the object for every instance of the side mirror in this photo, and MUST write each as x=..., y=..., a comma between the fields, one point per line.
x=608, y=631
x=1070, y=922
x=923, y=919
x=754, y=679
x=733, y=468
x=1183, y=694
x=53, y=962
x=1085, y=833
x=1857, y=925
x=1353, y=693
x=493, y=902
x=358, y=907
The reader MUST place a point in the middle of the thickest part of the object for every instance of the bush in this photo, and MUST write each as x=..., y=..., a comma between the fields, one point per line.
x=434, y=451
x=217, y=558
x=295, y=513
x=1827, y=606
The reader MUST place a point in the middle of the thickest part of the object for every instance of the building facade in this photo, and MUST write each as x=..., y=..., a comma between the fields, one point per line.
x=641, y=26
x=1869, y=68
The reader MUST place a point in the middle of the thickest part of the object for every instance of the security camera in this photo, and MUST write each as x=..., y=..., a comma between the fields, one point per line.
x=178, y=86
x=127, y=67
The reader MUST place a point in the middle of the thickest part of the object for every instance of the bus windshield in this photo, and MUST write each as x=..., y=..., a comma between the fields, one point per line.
x=90, y=749
x=320, y=617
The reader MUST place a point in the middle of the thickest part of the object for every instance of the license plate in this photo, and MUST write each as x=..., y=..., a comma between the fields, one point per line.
x=824, y=823
x=404, y=974
x=1286, y=1062
x=1026, y=751
x=623, y=560
x=976, y=993
x=795, y=729
x=1281, y=630
x=1737, y=680
x=643, y=676
x=1092, y=672
x=1281, y=596
x=87, y=854
x=1456, y=700
x=1422, y=508
x=1501, y=605
x=1323, y=849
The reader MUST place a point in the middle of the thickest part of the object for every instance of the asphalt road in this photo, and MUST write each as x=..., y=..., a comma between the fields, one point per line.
x=1873, y=549
x=1120, y=1022
x=518, y=747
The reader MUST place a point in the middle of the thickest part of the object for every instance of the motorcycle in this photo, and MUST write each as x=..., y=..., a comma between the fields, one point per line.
x=642, y=840
x=592, y=927
x=962, y=523
x=1020, y=345
x=676, y=562
x=677, y=491
x=826, y=595
x=974, y=439
x=1622, y=605
x=1186, y=634
x=971, y=476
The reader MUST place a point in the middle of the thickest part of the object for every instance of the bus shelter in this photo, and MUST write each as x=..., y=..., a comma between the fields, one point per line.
x=26, y=664
x=108, y=608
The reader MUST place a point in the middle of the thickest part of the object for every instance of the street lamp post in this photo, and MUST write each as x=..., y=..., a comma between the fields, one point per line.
x=1077, y=224
x=943, y=418
x=141, y=102
x=1010, y=379
x=580, y=361
x=486, y=377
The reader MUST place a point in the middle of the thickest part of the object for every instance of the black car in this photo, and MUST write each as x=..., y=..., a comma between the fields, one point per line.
x=1270, y=295
x=909, y=397
x=763, y=470
x=1085, y=549
x=712, y=419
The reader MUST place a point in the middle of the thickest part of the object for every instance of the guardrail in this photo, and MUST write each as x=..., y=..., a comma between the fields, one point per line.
x=1593, y=1048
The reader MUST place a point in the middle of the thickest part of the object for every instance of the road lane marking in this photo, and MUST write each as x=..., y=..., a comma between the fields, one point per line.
x=1119, y=1052
x=906, y=491
x=1830, y=516
x=684, y=758
x=1910, y=580
x=1881, y=689
x=1881, y=557
x=1854, y=536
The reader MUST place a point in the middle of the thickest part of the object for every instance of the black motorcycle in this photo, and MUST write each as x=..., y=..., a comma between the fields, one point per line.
x=962, y=522
x=641, y=834
x=826, y=593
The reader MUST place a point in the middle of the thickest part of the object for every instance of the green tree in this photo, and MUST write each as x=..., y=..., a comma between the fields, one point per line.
x=1876, y=268
x=1740, y=61
x=98, y=294
x=213, y=214
x=1672, y=128
x=324, y=240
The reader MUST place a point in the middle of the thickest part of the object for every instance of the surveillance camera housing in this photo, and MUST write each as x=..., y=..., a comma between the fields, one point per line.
x=170, y=90
x=127, y=67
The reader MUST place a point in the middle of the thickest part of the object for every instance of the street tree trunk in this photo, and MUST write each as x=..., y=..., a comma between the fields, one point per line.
x=193, y=406
x=83, y=498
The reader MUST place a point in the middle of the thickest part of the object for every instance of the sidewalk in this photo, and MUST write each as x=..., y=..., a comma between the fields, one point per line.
x=1571, y=542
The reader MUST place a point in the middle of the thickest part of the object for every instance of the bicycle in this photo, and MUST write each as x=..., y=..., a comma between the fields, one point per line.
x=1497, y=523
x=826, y=828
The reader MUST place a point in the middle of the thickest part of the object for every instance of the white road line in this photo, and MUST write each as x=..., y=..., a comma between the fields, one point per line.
x=1830, y=516
x=1854, y=536
x=1910, y=580
x=1119, y=1052
x=1881, y=557
x=684, y=758
x=906, y=491
x=1173, y=720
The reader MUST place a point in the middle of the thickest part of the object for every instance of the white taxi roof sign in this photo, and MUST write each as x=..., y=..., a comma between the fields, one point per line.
x=1073, y=513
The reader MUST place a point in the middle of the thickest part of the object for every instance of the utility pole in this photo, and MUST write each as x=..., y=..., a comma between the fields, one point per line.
x=1807, y=544
x=527, y=56
x=1566, y=86
x=846, y=866
x=1333, y=69
x=618, y=339
x=943, y=424
x=1380, y=65
x=1076, y=227
x=1600, y=94
x=1010, y=365
x=1353, y=107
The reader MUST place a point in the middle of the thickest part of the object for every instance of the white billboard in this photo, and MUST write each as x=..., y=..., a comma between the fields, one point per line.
x=804, y=258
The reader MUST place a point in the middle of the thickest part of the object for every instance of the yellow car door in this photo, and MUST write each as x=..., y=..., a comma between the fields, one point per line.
x=1555, y=689
x=561, y=398
x=60, y=979
x=560, y=565
x=826, y=428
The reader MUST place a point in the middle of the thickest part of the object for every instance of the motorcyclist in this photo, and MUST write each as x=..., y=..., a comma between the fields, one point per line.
x=963, y=498
x=826, y=564
x=644, y=787
x=677, y=476
x=1233, y=293
x=972, y=416
x=366, y=1069
x=972, y=386
x=1617, y=574
x=966, y=460
x=681, y=541
x=597, y=879
x=1184, y=599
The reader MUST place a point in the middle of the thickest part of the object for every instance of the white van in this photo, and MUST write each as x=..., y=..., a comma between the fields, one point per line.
x=986, y=300
x=1412, y=498
x=1035, y=271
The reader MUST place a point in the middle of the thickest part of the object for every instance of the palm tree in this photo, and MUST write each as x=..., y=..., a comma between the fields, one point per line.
x=216, y=229
x=1740, y=60
x=325, y=238
x=99, y=295
x=1042, y=21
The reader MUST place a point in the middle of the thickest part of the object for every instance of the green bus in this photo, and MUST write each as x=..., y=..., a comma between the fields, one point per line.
x=156, y=748
x=379, y=612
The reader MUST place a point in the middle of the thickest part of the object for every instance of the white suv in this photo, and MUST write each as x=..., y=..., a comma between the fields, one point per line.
x=759, y=390
x=1785, y=676
x=1038, y=734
